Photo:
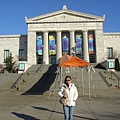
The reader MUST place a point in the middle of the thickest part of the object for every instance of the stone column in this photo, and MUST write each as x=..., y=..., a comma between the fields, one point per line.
x=72, y=43
x=45, y=48
x=31, y=48
x=58, y=47
x=85, y=46
x=100, y=51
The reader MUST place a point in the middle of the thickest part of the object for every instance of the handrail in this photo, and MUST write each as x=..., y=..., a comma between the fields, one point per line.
x=16, y=81
x=109, y=85
x=118, y=78
x=38, y=68
x=56, y=78
x=53, y=89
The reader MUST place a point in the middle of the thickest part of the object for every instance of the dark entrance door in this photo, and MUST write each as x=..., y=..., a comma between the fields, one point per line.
x=39, y=59
x=53, y=59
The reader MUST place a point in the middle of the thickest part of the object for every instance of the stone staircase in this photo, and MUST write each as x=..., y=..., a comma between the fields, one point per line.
x=41, y=78
x=6, y=80
x=80, y=78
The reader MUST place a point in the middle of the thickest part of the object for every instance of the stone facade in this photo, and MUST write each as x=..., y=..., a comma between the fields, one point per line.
x=60, y=22
x=111, y=40
x=13, y=43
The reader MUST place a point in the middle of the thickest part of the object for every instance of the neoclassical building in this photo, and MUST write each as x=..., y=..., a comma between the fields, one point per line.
x=65, y=31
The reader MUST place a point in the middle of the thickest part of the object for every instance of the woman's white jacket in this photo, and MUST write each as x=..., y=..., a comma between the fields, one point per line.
x=71, y=92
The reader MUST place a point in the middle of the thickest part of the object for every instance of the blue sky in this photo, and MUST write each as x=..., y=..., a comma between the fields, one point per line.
x=13, y=12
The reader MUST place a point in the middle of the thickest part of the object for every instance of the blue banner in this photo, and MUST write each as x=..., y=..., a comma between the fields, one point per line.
x=78, y=44
x=65, y=44
x=39, y=45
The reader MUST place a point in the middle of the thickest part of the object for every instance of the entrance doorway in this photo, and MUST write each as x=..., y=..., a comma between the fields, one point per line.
x=53, y=59
x=39, y=59
x=92, y=58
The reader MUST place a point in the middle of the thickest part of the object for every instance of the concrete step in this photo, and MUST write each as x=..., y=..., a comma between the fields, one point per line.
x=6, y=80
x=44, y=79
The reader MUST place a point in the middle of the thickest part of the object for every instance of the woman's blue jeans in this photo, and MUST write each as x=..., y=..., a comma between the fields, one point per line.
x=68, y=112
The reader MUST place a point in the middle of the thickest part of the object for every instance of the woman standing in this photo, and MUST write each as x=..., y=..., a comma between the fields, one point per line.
x=68, y=91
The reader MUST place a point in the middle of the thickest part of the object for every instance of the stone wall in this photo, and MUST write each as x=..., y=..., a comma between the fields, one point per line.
x=112, y=40
x=12, y=43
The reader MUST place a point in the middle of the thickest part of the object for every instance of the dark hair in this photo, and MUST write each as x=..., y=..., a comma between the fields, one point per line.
x=66, y=79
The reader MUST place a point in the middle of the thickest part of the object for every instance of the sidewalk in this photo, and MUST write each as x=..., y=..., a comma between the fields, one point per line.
x=14, y=106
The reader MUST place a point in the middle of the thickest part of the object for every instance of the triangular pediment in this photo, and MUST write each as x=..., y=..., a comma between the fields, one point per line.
x=65, y=15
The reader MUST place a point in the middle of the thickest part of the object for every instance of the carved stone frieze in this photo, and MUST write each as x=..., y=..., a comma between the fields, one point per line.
x=63, y=24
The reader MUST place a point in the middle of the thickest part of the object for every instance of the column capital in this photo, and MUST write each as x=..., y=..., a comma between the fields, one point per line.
x=85, y=30
x=71, y=30
x=58, y=31
x=45, y=31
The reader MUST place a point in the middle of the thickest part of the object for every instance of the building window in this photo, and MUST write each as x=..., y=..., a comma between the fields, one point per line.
x=6, y=55
x=21, y=55
x=110, y=52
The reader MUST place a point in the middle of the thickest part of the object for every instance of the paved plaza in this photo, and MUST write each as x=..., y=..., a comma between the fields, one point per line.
x=15, y=106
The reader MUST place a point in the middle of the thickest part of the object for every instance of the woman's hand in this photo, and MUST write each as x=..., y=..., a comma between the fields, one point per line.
x=65, y=96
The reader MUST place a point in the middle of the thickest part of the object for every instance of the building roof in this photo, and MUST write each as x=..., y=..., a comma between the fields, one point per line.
x=65, y=15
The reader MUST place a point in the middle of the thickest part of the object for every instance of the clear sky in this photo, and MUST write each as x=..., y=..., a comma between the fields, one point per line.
x=13, y=12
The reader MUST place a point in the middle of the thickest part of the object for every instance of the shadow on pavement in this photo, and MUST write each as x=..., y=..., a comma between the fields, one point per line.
x=84, y=117
x=45, y=109
x=75, y=116
x=24, y=117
